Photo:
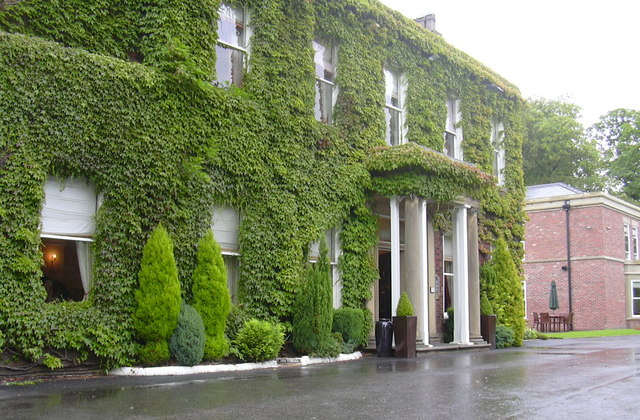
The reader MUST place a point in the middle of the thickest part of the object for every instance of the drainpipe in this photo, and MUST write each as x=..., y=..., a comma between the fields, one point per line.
x=566, y=207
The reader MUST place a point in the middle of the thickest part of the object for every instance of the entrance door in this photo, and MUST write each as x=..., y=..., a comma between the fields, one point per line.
x=384, y=284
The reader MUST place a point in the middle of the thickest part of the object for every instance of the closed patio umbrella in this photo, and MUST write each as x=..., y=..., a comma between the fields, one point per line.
x=553, y=297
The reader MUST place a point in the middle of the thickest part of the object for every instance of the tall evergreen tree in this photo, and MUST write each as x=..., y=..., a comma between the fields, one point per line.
x=313, y=311
x=211, y=296
x=158, y=298
x=502, y=285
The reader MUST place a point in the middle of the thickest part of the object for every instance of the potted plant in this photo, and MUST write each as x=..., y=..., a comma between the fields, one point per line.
x=487, y=321
x=404, y=328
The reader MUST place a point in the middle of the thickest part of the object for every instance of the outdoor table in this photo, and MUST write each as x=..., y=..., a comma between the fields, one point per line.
x=556, y=321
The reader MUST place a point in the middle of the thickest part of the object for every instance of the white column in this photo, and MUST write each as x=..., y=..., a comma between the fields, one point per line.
x=424, y=275
x=395, y=253
x=460, y=276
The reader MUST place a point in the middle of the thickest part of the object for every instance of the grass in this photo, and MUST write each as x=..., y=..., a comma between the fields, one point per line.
x=595, y=333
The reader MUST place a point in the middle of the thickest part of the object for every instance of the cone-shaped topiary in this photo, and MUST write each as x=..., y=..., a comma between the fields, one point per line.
x=404, y=308
x=313, y=310
x=211, y=296
x=485, y=306
x=158, y=297
x=502, y=284
x=187, y=342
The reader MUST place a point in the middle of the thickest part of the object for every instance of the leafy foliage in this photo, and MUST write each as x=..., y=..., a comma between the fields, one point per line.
x=187, y=342
x=405, y=308
x=349, y=323
x=259, y=340
x=163, y=145
x=485, y=306
x=158, y=298
x=618, y=133
x=556, y=148
x=505, y=336
x=211, y=296
x=235, y=321
x=313, y=312
x=501, y=284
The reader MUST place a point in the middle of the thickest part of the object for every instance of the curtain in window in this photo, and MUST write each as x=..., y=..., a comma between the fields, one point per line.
x=69, y=207
x=85, y=263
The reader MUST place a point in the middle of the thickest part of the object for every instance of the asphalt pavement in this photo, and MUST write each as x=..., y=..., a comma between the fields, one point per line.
x=594, y=378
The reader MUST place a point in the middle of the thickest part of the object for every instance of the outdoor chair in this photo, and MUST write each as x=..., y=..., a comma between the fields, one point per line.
x=536, y=321
x=545, y=322
x=568, y=322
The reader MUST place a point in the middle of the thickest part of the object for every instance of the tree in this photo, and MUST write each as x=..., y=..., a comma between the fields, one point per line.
x=313, y=311
x=502, y=285
x=211, y=296
x=556, y=148
x=618, y=135
x=158, y=298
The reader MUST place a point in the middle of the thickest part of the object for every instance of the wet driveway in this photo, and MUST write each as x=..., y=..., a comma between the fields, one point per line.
x=554, y=379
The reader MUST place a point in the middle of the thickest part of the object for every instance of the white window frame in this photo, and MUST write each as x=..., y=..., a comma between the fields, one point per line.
x=453, y=130
x=242, y=47
x=633, y=299
x=524, y=297
x=395, y=82
x=445, y=275
x=497, y=143
x=627, y=242
x=634, y=242
x=323, y=81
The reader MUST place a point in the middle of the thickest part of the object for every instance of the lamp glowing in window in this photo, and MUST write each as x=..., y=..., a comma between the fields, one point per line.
x=53, y=258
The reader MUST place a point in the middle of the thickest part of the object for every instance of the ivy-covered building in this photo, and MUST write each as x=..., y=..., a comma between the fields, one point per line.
x=274, y=122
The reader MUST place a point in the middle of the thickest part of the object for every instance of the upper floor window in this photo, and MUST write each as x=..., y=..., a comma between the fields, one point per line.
x=497, y=143
x=634, y=242
x=231, y=51
x=395, y=88
x=627, y=243
x=453, y=131
x=325, y=61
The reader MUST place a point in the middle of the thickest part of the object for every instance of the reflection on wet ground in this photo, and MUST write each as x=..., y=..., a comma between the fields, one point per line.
x=586, y=377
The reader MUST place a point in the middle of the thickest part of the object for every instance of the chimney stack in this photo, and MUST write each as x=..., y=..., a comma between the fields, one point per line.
x=428, y=22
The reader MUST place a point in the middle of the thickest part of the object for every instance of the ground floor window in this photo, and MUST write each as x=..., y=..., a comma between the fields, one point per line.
x=524, y=297
x=635, y=298
x=447, y=287
x=232, y=264
x=66, y=269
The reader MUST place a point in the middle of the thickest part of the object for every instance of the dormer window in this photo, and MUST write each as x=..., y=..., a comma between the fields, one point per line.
x=325, y=62
x=395, y=88
x=453, y=132
x=231, y=51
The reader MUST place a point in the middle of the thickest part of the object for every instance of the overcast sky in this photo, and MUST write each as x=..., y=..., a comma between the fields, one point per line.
x=586, y=52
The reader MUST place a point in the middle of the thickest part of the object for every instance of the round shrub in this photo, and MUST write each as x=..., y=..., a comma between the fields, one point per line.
x=187, y=342
x=153, y=353
x=259, y=340
x=349, y=322
x=504, y=336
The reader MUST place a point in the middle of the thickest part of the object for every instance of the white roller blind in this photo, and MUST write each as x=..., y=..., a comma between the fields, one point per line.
x=447, y=242
x=225, y=224
x=69, y=208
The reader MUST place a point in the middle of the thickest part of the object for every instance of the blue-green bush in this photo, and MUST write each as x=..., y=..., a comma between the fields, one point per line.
x=188, y=339
x=504, y=336
x=259, y=340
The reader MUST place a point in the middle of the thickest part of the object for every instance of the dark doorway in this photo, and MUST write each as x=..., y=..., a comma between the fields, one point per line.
x=384, y=284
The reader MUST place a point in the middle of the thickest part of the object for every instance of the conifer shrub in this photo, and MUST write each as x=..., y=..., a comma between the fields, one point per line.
x=313, y=309
x=501, y=282
x=504, y=336
x=158, y=298
x=187, y=342
x=258, y=340
x=485, y=306
x=349, y=323
x=449, y=326
x=211, y=296
x=404, y=308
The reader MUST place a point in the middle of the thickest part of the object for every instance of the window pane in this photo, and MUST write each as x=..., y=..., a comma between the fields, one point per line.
x=636, y=289
x=231, y=25
x=391, y=88
x=636, y=306
x=229, y=65
x=324, y=102
x=393, y=126
x=449, y=144
x=231, y=263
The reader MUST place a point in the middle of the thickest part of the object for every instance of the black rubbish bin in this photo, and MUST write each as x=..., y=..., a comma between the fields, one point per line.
x=384, y=338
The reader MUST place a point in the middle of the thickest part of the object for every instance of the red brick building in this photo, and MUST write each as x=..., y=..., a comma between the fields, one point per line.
x=595, y=263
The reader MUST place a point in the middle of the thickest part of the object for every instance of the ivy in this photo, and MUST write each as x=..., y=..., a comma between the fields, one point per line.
x=120, y=93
